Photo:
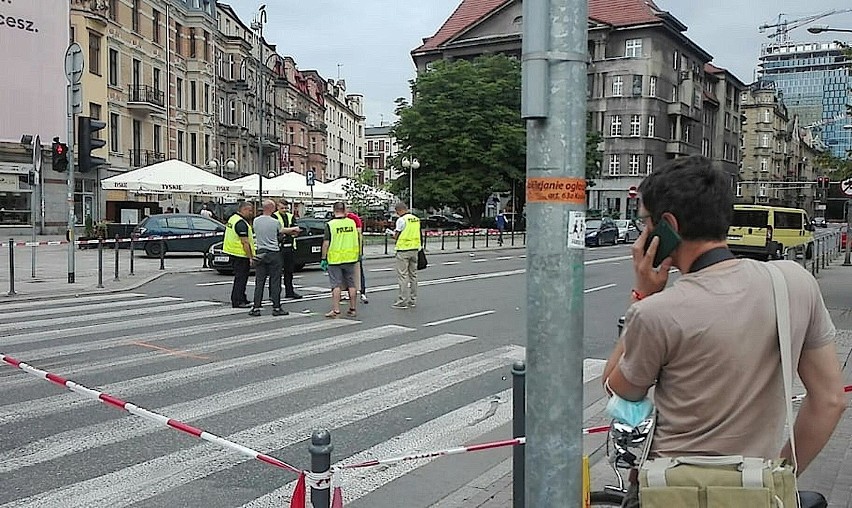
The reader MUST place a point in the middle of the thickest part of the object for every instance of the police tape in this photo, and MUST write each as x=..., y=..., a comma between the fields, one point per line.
x=320, y=481
x=116, y=240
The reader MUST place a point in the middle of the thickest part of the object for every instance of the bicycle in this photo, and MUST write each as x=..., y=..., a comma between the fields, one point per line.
x=628, y=445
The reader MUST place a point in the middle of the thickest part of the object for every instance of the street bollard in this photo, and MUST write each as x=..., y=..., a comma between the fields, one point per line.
x=100, y=262
x=162, y=254
x=519, y=409
x=12, y=267
x=442, y=240
x=458, y=239
x=386, y=244
x=473, y=239
x=822, y=252
x=320, y=450
x=116, y=259
x=814, y=256
x=486, y=238
x=132, y=248
x=513, y=236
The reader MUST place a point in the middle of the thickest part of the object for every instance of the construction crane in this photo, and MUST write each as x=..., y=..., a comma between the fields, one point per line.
x=784, y=25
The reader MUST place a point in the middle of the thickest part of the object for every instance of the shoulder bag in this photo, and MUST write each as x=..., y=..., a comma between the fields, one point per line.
x=731, y=481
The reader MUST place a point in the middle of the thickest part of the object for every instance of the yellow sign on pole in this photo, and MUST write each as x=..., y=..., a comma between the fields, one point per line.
x=587, y=483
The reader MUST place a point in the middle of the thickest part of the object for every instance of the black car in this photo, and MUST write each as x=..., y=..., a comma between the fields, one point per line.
x=601, y=231
x=442, y=222
x=173, y=224
x=308, y=247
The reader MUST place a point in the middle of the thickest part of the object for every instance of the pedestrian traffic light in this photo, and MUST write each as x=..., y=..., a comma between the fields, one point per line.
x=87, y=141
x=59, y=155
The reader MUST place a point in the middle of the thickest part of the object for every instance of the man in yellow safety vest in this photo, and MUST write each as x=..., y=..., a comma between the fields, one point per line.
x=407, y=236
x=239, y=244
x=341, y=249
x=287, y=245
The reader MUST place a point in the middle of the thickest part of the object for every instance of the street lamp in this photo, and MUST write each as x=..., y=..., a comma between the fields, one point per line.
x=411, y=165
x=821, y=29
x=214, y=164
x=257, y=25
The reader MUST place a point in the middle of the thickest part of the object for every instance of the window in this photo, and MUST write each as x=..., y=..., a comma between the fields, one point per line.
x=634, y=165
x=652, y=86
x=206, y=45
x=193, y=148
x=245, y=111
x=675, y=60
x=136, y=72
x=94, y=53
x=113, y=10
x=291, y=136
x=687, y=133
x=788, y=220
x=764, y=165
x=230, y=66
x=764, y=140
x=614, y=165
x=155, y=25
x=370, y=146
x=762, y=189
x=615, y=126
x=635, y=125
x=206, y=98
x=767, y=116
x=179, y=92
x=649, y=164
x=135, y=15
x=180, y=145
x=113, y=67
x=193, y=96
x=192, y=43
x=705, y=147
x=637, y=85
x=739, y=190
x=206, y=148
x=727, y=121
x=617, y=86
x=652, y=126
x=113, y=133
x=158, y=144
x=313, y=144
x=633, y=48
x=178, y=40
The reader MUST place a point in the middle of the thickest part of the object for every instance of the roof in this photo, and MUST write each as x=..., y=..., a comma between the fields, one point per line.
x=384, y=130
x=616, y=13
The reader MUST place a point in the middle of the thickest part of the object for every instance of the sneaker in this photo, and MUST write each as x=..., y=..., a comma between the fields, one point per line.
x=280, y=312
x=294, y=296
x=412, y=305
x=364, y=299
x=241, y=306
x=254, y=312
x=399, y=305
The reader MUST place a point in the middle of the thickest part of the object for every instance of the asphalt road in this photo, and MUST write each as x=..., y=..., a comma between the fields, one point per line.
x=386, y=383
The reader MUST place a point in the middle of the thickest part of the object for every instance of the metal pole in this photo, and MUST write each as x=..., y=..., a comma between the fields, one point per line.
x=132, y=254
x=411, y=187
x=320, y=450
x=386, y=243
x=486, y=237
x=519, y=370
x=162, y=254
x=458, y=239
x=70, y=189
x=12, y=267
x=442, y=240
x=473, y=239
x=260, y=122
x=36, y=171
x=100, y=262
x=116, y=259
x=555, y=51
x=847, y=261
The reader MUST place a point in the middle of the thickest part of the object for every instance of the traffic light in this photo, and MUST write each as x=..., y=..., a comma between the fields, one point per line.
x=87, y=141
x=59, y=155
x=823, y=182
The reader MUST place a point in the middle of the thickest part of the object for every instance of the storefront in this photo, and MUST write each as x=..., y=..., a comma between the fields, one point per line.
x=16, y=195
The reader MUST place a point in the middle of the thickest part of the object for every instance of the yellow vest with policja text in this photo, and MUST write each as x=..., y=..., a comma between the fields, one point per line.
x=233, y=245
x=344, y=246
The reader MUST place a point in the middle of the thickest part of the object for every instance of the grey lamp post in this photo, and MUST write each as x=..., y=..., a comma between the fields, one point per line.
x=411, y=165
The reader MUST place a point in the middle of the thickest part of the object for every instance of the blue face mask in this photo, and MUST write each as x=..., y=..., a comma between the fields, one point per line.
x=629, y=412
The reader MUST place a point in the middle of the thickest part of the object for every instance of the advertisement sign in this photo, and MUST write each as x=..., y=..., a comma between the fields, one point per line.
x=33, y=36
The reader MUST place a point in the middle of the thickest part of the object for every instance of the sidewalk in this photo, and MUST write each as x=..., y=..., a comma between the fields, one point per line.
x=830, y=474
x=51, y=276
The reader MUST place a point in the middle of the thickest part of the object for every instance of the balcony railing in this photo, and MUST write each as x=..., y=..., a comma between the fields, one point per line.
x=142, y=158
x=144, y=94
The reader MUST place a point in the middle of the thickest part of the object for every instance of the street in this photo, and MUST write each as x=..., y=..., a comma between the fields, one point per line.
x=387, y=383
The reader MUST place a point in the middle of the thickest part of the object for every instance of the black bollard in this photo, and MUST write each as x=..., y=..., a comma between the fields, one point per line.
x=100, y=262
x=116, y=259
x=486, y=237
x=473, y=239
x=132, y=254
x=320, y=450
x=162, y=254
x=458, y=239
x=442, y=240
x=386, y=243
x=519, y=424
x=12, y=267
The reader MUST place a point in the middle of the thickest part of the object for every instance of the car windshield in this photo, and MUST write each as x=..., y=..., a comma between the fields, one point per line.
x=593, y=224
x=621, y=223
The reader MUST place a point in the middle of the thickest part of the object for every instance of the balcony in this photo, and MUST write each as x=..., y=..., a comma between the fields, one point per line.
x=142, y=158
x=145, y=98
x=676, y=147
x=680, y=109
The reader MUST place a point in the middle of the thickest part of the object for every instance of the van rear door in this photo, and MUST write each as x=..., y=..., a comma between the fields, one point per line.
x=749, y=228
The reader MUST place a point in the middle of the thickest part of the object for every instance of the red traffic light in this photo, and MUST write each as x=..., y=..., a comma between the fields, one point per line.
x=60, y=149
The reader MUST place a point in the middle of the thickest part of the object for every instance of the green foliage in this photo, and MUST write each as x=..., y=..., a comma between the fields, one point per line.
x=594, y=157
x=835, y=167
x=360, y=194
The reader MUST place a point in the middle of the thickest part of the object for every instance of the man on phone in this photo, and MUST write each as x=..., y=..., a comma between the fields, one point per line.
x=709, y=343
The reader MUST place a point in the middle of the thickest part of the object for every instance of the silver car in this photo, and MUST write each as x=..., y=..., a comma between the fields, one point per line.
x=627, y=230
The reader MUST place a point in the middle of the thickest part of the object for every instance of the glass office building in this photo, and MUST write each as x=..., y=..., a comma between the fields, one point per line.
x=814, y=78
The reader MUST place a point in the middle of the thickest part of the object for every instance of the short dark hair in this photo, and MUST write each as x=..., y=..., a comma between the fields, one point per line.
x=243, y=204
x=699, y=195
x=339, y=206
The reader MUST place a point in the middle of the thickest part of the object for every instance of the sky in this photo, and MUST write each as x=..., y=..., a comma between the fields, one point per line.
x=369, y=42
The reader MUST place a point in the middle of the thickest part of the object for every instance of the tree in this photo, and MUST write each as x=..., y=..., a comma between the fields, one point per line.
x=360, y=195
x=835, y=167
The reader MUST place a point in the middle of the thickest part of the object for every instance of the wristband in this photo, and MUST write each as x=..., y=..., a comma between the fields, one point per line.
x=637, y=295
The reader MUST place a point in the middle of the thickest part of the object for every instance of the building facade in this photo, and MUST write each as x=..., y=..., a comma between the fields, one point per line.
x=778, y=154
x=815, y=80
x=381, y=147
x=344, y=117
x=650, y=93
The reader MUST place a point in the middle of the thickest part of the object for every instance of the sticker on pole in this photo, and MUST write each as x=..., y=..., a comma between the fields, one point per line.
x=576, y=230
x=554, y=190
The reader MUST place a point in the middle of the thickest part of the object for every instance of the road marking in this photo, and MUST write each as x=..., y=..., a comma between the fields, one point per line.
x=218, y=283
x=46, y=311
x=448, y=263
x=607, y=260
x=173, y=352
x=599, y=288
x=480, y=260
x=503, y=258
x=460, y=318
x=154, y=477
x=63, y=301
x=382, y=269
x=129, y=427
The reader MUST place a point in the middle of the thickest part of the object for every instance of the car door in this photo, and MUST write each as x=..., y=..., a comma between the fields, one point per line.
x=180, y=225
x=203, y=225
x=789, y=228
x=609, y=230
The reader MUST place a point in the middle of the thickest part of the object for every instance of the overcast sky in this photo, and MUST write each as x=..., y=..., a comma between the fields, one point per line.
x=372, y=39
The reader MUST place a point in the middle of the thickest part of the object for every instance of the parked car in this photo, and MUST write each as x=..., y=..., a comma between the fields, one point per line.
x=172, y=224
x=819, y=222
x=628, y=231
x=766, y=232
x=308, y=247
x=601, y=231
x=442, y=222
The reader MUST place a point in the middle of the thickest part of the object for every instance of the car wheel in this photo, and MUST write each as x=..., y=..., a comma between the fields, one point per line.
x=153, y=248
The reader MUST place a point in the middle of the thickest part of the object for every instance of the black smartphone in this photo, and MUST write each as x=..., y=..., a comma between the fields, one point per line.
x=669, y=240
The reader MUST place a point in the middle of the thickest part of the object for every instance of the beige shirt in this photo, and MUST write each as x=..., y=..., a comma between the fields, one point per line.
x=710, y=344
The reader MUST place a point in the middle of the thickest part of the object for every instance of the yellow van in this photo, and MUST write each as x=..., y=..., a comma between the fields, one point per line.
x=767, y=231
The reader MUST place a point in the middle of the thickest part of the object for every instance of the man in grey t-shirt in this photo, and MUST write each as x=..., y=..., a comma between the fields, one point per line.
x=267, y=260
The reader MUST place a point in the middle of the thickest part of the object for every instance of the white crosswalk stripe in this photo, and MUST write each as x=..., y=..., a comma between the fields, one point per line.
x=264, y=382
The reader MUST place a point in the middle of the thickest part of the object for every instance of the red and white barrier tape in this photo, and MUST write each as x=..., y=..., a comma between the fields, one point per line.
x=113, y=240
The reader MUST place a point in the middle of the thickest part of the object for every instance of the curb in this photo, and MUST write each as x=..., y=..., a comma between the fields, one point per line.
x=389, y=255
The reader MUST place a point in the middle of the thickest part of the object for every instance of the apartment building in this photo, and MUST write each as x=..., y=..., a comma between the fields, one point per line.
x=344, y=118
x=650, y=93
x=381, y=147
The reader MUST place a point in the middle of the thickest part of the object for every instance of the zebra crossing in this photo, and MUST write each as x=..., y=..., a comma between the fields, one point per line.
x=266, y=383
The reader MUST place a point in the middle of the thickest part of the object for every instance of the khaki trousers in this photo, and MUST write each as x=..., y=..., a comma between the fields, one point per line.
x=406, y=273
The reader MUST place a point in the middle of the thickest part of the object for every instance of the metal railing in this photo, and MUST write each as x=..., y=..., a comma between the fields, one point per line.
x=142, y=158
x=145, y=94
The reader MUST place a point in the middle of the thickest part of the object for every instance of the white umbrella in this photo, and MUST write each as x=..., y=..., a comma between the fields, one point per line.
x=381, y=195
x=171, y=176
x=249, y=185
x=294, y=186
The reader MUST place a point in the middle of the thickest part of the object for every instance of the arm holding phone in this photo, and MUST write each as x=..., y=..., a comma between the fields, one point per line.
x=651, y=258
